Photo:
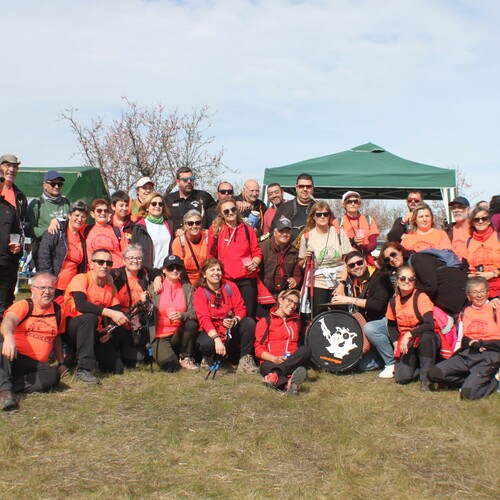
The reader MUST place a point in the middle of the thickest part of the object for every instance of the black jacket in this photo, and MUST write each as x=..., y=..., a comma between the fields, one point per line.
x=296, y=213
x=141, y=237
x=397, y=231
x=198, y=200
x=9, y=224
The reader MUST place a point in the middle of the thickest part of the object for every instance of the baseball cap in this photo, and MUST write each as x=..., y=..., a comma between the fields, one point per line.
x=9, y=159
x=144, y=180
x=350, y=193
x=282, y=223
x=52, y=175
x=459, y=200
x=173, y=260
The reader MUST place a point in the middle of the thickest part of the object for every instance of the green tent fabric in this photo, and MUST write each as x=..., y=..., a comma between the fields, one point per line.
x=370, y=170
x=81, y=183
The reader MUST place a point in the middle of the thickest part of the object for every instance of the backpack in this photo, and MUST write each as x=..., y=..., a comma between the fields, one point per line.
x=447, y=257
x=228, y=291
x=57, y=313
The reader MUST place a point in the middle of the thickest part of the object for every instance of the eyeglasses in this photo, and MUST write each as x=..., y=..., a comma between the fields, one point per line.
x=413, y=200
x=352, y=201
x=392, y=255
x=49, y=289
x=358, y=263
x=101, y=210
x=304, y=186
x=157, y=204
x=101, y=262
x=474, y=293
x=226, y=191
x=486, y=218
x=191, y=223
x=404, y=279
x=294, y=303
x=228, y=211
x=187, y=179
x=134, y=259
x=173, y=268
x=56, y=184
x=321, y=214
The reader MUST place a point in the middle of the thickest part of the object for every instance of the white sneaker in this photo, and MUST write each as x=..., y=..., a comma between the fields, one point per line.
x=188, y=364
x=387, y=372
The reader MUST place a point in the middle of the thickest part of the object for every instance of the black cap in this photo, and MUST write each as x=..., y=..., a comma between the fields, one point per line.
x=52, y=175
x=459, y=200
x=282, y=223
x=173, y=260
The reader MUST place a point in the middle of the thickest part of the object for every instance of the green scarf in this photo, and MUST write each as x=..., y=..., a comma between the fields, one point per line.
x=155, y=220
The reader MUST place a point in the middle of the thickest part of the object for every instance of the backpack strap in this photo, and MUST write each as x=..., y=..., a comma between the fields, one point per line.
x=415, y=306
x=57, y=313
x=392, y=304
x=182, y=240
x=268, y=323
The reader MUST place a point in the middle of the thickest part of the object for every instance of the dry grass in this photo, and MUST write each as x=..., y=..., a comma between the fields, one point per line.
x=176, y=436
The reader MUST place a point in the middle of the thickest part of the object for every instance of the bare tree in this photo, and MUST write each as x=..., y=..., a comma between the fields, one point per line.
x=149, y=142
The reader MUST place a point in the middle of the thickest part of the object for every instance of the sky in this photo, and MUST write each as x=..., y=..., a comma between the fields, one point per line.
x=287, y=80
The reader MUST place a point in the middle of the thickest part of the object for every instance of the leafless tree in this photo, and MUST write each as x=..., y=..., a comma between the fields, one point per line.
x=149, y=142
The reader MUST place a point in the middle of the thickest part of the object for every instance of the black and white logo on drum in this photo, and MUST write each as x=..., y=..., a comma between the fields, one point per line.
x=341, y=341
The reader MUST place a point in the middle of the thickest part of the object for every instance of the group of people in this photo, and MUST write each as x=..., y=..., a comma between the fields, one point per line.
x=186, y=281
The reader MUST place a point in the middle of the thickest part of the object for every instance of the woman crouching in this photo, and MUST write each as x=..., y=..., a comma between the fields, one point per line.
x=276, y=345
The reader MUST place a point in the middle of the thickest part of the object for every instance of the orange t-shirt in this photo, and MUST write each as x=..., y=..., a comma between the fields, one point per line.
x=485, y=253
x=34, y=337
x=200, y=251
x=9, y=195
x=350, y=225
x=72, y=260
x=105, y=237
x=459, y=241
x=480, y=324
x=434, y=238
x=135, y=292
x=406, y=317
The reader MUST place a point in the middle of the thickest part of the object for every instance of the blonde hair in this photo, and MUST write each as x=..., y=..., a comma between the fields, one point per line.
x=219, y=220
x=143, y=209
x=320, y=206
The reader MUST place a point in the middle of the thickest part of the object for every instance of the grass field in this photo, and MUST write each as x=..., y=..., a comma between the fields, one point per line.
x=176, y=436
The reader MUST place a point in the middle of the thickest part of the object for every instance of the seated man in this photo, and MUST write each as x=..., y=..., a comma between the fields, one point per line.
x=89, y=298
x=368, y=292
x=30, y=330
x=473, y=367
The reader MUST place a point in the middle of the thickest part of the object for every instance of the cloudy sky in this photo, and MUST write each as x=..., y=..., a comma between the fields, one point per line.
x=289, y=80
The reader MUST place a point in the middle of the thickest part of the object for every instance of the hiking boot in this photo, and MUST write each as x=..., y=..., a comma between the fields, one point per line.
x=86, y=376
x=387, y=372
x=247, y=365
x=206, y=363
x=271, y=380
x=298, y=377
x=7, y=401
x=426, y=386
x=188, y=364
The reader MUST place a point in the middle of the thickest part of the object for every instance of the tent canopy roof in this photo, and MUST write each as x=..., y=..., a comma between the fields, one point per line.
x=370, y=170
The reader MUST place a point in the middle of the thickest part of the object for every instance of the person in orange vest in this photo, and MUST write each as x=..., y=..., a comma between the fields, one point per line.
x=459, y=231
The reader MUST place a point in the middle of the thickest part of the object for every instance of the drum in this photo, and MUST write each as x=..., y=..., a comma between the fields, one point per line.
x=337, y=340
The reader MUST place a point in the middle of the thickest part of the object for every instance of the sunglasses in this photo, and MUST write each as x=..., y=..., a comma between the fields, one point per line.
x=304, y=186
x=228, y=211
x=392, y=255
x=192, y=223
x=226, y=191
x=187, y=179
x=101, y=210
x=358, y=263
x=321, y=214
x=413, y=200
x=101, y=262
x=173, y=268
x=54, y=184
x=2, y=179
x=352, y=201
x=404, y=279
x=157, y=204
x=481, y=219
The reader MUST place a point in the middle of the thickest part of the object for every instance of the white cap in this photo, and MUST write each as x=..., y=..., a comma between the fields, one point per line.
x=350, y=193
x=144, y=180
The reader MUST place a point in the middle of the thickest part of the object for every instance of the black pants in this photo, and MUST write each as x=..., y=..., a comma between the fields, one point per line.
x=167, y=350
x=471, y=370
x=418, y=360
x=8, y=280
x=321, y=296
x=130, y=354
x=24, y=374
x=248, y=290
x=300, y=357
x=243, y=335
x=90, y=351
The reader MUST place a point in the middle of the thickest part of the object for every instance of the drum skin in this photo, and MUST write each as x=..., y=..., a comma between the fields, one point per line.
x=337, y=341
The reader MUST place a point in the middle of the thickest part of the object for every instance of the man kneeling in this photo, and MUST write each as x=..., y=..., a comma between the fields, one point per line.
x=30, y=330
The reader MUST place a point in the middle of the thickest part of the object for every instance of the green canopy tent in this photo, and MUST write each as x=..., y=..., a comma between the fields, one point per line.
x=81, y=183
x=370, y=170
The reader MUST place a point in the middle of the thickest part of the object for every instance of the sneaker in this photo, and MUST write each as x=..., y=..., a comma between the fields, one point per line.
x=298, y=377
x=426, y=386
x=206, y=363
x=188, y=364
x=387, y=372
x=86, y=376
x=247, y=365
x=271, y=380
x=7, y=401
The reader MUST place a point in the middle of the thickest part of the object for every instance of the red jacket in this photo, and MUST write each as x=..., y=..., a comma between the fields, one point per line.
x=231, y=246
x=211, y=317
x=282, y=337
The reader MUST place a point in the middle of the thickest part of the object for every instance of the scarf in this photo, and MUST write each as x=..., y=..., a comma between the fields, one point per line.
x=52, y=199
x=155, y=220
x=482, y=237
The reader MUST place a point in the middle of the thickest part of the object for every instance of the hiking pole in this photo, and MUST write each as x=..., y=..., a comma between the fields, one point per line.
x=214, y=367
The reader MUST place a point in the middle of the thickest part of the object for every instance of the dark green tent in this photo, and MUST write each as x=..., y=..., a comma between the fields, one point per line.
x=81, y=183
x=370, y=170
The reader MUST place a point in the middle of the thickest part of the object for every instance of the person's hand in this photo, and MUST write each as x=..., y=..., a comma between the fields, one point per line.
x=175, y=316
x=144, y=296
x=291, y=282
x=179, y=232
x=339, y=291
x=309, y=253
x=278, y=360
x=9, y=348
x=157, y=285
x=229, y=322
x=53, y=226
x=403, y=345
x=15, y=247
x=220, y=348
x=63, y=370
x=341, y=300
x=495, y=303
x=118, y=317
x=251, y=267
x=358, y=240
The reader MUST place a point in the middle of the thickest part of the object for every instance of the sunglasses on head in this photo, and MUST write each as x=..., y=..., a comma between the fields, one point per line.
x=228, y=211
x=55, y=183
x=321, y=214
x=101, y=210
x=486, y=218
x=358, y=263
x=101, y=262
x=404, y=279
x=187, y=179
x=157, y=204
x=226, y=191
x=192, y=223
x=352, y=201
x=413, y=200
x=392, y=255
